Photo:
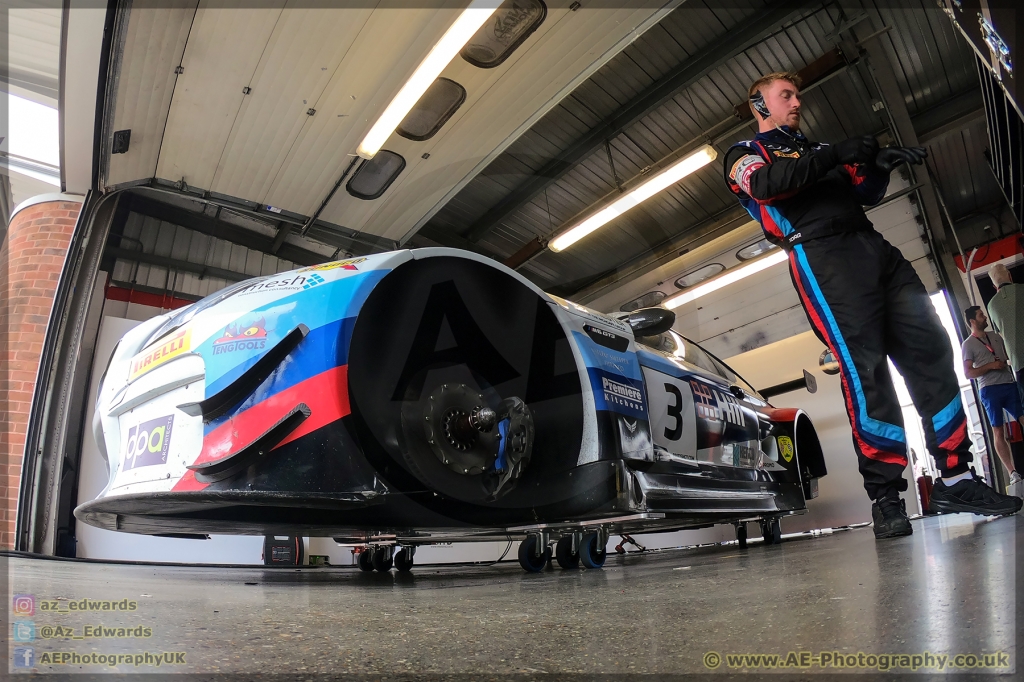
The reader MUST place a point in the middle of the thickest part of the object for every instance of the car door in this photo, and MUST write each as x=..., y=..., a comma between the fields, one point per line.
x=696, y=418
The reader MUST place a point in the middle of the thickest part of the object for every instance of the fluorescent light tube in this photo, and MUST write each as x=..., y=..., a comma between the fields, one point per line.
x=726, y=278
x=458, y=34
x=641, y=193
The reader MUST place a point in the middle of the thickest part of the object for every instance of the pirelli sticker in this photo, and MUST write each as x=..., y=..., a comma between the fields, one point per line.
x=348, y=264
x=177, y=344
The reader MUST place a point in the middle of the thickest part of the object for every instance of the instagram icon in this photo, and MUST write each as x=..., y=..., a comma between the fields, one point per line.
x=24, y=605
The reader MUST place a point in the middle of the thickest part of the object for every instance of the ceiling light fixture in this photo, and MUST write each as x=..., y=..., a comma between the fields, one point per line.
x=727, y=278
x=671, y=175
x=446, y=49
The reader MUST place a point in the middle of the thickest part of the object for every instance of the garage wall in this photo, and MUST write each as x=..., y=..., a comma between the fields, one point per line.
x=31, y=261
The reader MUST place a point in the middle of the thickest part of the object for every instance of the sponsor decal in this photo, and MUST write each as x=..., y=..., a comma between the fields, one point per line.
x=348, y=264
x=786, y=448
x=290, y=282
x=714, y=405
x=242, y=337
x=177, y=344
x=788, y=155
x=742, y=169
x=621, y=394
x=148, y=443
x=605, y=338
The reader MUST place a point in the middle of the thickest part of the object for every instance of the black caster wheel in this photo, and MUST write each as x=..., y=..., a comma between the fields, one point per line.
x=592, y=553
x=771, y=530
x=403, y=560
x=741, y=535
x=383, y=560
x=564, y=555
x=365, y=560
x=528, y=558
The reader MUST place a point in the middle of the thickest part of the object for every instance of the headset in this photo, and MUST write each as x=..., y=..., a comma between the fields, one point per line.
x=757, y=101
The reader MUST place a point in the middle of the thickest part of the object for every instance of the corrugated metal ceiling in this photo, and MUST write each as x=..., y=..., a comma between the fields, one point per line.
x=932, y=65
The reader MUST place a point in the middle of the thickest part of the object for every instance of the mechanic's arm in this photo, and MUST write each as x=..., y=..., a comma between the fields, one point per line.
x=784, y=177
x=972, y=372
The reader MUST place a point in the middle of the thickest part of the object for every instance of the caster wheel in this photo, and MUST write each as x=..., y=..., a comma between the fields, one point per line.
x=591, y=554
x=619, y=549
x=403, y=560
x=365, y=560
x=528, y=558
x=564, y=555
x=741, y=535
x=383, y=560
x=771, y=530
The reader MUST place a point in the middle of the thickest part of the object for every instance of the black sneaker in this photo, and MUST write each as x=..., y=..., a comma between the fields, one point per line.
x=971, y=495
x=890, y=518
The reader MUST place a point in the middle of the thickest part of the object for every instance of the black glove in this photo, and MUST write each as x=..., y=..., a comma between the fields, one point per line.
x=856, y=150
x=891, y=157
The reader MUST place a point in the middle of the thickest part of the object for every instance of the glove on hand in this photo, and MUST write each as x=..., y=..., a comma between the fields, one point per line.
x=891, y=157
x=856, y=150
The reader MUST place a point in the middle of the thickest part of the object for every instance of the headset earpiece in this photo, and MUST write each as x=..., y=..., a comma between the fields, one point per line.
x=757, y=101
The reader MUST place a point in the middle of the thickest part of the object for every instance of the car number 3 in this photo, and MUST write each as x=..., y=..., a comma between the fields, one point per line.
x=675, y=411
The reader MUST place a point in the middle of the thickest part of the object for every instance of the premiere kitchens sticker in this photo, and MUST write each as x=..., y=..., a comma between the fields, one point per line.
x=177, y=344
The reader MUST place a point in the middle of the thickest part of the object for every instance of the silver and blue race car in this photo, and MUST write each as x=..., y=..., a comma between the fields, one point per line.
x=433, y=395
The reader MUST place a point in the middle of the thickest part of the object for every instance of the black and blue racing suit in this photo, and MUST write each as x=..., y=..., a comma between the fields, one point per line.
x=863, y=299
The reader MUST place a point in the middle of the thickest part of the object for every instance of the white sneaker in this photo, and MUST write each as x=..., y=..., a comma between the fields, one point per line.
x=1016, y=487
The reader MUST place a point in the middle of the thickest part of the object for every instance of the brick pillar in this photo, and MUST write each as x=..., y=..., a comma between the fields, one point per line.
x=31, y=261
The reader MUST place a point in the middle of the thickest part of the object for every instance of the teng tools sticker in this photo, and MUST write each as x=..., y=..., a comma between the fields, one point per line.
x=175, y=345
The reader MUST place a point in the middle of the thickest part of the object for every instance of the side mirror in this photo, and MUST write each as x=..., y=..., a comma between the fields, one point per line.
x=651, y=321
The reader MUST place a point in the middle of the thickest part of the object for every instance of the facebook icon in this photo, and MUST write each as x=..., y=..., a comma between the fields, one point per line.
x=24, y=657
x=23, y=631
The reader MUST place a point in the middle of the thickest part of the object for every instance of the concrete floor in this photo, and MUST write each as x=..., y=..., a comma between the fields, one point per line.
x=948, y=589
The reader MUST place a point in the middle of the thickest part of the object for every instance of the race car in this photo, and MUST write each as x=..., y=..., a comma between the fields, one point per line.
x=433, y=395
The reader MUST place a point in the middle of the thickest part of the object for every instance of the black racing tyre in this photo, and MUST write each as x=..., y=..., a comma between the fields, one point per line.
x=447, y=321
x=365, y=560
x=529, y=560
x=592, y=553
x=403, y=560
x=564, y=555
x=382, y=560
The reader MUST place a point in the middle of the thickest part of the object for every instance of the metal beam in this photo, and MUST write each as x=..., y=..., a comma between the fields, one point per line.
x=882, y=71
x=175, y=264
x=215, y=228
x=749, y=32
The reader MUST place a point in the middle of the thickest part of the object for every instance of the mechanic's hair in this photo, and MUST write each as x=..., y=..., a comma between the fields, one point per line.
x=764, y=81
x=971, y=313
x=1000, y=274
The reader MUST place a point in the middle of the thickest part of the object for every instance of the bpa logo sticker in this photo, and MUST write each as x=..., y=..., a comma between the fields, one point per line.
x=148, y=443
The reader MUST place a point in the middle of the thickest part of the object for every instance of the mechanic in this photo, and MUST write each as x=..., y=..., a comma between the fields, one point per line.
x=1006, y=311
x=862, y=298
x=985, y=360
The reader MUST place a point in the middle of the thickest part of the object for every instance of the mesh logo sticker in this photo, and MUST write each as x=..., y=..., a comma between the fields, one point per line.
x=312, y=281
x=148, y=443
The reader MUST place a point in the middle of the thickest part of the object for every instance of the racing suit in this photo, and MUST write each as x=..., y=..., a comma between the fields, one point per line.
x=861, y=296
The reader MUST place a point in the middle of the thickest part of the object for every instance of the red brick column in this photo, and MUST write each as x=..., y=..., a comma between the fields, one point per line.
x=31, y=261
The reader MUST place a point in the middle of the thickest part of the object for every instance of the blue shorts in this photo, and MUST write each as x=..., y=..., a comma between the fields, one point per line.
x=998, y=398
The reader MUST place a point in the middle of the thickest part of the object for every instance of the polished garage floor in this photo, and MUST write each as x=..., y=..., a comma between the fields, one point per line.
x=948, y=589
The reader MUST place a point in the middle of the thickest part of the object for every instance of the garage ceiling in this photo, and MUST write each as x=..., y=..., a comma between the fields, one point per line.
x=270, y=103
x=267, y=104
